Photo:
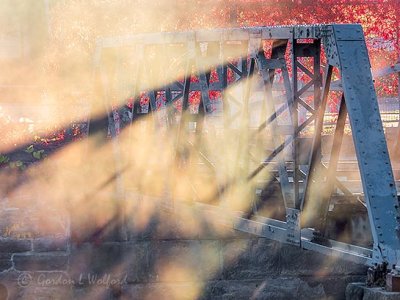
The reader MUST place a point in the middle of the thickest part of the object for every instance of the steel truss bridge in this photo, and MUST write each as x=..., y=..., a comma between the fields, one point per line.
x=260, y=99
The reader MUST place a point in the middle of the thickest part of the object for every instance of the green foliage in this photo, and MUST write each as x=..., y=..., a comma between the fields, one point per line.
x=17, y=165
x=30, y=149
x=38, y=154
x=4, y=159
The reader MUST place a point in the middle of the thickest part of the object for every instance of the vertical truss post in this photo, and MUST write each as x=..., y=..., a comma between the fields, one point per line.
x=314, y=160
x=242, y=161
x=317, y=78
x=267, y=69
x=304, y=50
x=182, y=130
x=295, y=119
x=349, y=54
x=205, y=104
x=224, y=85
x=109, y=80
x=333, y=162
x=139, y=53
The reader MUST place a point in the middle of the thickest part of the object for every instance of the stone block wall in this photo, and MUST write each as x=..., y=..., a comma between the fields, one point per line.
x=162, y=260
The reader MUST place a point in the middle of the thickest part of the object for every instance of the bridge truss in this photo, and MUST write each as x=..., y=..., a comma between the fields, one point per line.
x=255, y=73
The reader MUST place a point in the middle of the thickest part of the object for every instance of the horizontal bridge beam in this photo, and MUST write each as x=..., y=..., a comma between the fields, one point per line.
x=217, y=35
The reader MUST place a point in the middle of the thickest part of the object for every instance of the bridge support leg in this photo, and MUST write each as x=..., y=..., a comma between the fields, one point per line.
x=360, y=291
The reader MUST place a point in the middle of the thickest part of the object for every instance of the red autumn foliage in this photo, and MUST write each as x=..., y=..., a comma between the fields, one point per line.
x=379, y=19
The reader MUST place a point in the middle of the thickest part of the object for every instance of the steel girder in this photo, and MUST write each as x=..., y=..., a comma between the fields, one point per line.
x=350, y=55
x=302, y=180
